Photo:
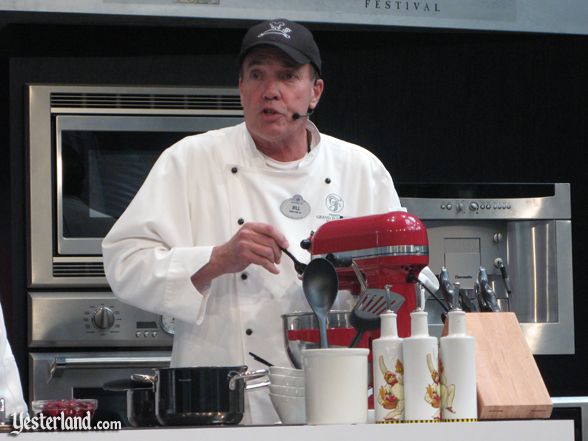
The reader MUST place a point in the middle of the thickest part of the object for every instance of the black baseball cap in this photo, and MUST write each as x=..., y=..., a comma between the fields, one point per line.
x=290, y=37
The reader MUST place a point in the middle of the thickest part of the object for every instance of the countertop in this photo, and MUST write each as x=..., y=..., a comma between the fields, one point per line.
x=535, y=430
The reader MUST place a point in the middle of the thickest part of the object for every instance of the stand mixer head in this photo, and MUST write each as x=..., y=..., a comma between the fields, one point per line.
x=389, y=249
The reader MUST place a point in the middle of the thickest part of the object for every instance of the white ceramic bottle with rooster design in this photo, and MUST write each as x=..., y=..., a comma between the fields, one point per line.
x=457, y=369
x=388, y=371
x=422, y=401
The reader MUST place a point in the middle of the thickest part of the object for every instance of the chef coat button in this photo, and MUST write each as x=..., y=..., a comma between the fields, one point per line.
x=249, y=331
x=234, y=170
x=328, y=180
x=240, y=221
x=244, y=276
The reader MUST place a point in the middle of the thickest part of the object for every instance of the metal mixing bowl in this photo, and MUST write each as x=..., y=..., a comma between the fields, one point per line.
x=306, y=321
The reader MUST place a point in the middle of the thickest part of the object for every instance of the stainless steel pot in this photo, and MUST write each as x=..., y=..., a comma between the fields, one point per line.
x=201, y=395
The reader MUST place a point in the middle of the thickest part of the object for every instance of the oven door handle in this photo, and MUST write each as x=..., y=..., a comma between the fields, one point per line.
x=60, y=364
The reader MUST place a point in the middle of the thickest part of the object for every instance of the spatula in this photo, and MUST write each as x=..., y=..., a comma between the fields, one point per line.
x=365, y=315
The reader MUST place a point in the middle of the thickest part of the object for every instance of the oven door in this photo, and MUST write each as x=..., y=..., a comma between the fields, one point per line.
x=57, y=375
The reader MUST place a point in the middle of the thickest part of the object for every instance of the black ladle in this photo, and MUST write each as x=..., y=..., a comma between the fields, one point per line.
x=298, y=266
x=320, y=284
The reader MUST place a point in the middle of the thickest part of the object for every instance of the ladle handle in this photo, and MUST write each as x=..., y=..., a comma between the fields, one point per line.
x=298, y=266
x=289, y=254
x=323, y=332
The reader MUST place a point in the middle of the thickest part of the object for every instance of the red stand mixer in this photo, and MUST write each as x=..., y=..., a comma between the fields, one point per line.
x=389, y=249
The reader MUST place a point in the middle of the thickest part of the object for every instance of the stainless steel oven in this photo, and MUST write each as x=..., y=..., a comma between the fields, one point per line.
x=78, y=340
x=89, y=150
x=526, y=228
x=55, y=375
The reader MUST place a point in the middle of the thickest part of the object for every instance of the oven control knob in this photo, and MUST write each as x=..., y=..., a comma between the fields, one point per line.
x=104, y=317
x=474, y=206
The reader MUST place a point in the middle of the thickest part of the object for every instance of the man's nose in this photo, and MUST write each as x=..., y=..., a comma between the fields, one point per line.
x=271, y=91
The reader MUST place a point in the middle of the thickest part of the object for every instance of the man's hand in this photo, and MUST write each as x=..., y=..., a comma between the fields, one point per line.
x=255, y=242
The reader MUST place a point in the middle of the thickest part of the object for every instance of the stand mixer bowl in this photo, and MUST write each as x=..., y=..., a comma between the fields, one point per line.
x=301, y=331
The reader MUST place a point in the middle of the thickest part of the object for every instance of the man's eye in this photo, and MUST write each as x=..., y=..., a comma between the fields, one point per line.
x=289, y=76
x=254, y=74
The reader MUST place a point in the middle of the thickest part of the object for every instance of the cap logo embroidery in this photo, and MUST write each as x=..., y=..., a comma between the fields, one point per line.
x=277, y=27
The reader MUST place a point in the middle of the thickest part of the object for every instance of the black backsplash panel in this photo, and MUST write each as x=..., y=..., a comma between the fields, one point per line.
x=435, y=106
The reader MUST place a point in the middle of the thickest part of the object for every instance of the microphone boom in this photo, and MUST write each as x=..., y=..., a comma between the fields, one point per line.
x=296, y=116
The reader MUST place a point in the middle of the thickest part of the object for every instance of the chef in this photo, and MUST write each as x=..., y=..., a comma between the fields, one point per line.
x=201, y=239
x=10, y=386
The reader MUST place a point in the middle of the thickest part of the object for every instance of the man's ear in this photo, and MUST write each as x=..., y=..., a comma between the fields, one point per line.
x=317, y=91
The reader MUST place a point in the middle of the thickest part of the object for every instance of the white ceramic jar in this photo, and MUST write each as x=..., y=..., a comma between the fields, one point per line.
x=388, y=371
x=457, y=369
x=421, y=380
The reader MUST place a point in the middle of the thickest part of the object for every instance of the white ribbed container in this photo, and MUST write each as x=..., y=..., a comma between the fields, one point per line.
x=388, y=371
x=457, y=355
x=421, y=378
x=336, y=382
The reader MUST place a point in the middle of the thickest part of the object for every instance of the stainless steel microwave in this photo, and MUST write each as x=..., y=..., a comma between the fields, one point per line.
x=89, y=150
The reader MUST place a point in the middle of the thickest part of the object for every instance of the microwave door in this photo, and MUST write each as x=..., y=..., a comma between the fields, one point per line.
x=101, y=162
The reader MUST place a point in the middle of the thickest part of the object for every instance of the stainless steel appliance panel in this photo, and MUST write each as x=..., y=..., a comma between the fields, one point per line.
x=471, y=207
x=91, y=319
x=557, y=337
x=477, y=223
x=532, y=251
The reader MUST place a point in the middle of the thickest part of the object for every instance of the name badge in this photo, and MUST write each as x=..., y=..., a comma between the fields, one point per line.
x=295, y=207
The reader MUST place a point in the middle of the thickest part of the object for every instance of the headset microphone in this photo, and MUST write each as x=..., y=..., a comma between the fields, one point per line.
x=296, y=116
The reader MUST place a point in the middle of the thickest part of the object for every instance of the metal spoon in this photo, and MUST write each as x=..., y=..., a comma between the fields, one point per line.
x=298, y=266
x=320, y=284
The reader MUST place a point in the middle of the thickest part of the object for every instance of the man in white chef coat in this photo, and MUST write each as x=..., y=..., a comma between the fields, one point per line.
x=201, y=239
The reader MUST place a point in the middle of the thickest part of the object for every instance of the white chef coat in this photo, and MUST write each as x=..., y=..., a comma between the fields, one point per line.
x=10, y=386
x=197, y=196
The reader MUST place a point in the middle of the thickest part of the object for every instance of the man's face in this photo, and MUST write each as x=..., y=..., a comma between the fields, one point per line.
x=273, y=88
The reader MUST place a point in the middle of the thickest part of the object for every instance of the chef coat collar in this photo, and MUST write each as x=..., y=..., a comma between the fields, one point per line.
x=261, y=159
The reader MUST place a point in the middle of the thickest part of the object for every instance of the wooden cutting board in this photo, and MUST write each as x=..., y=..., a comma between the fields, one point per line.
x=509, y=383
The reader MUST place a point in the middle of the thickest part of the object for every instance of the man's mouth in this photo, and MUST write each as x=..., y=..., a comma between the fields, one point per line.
x=270, y=112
